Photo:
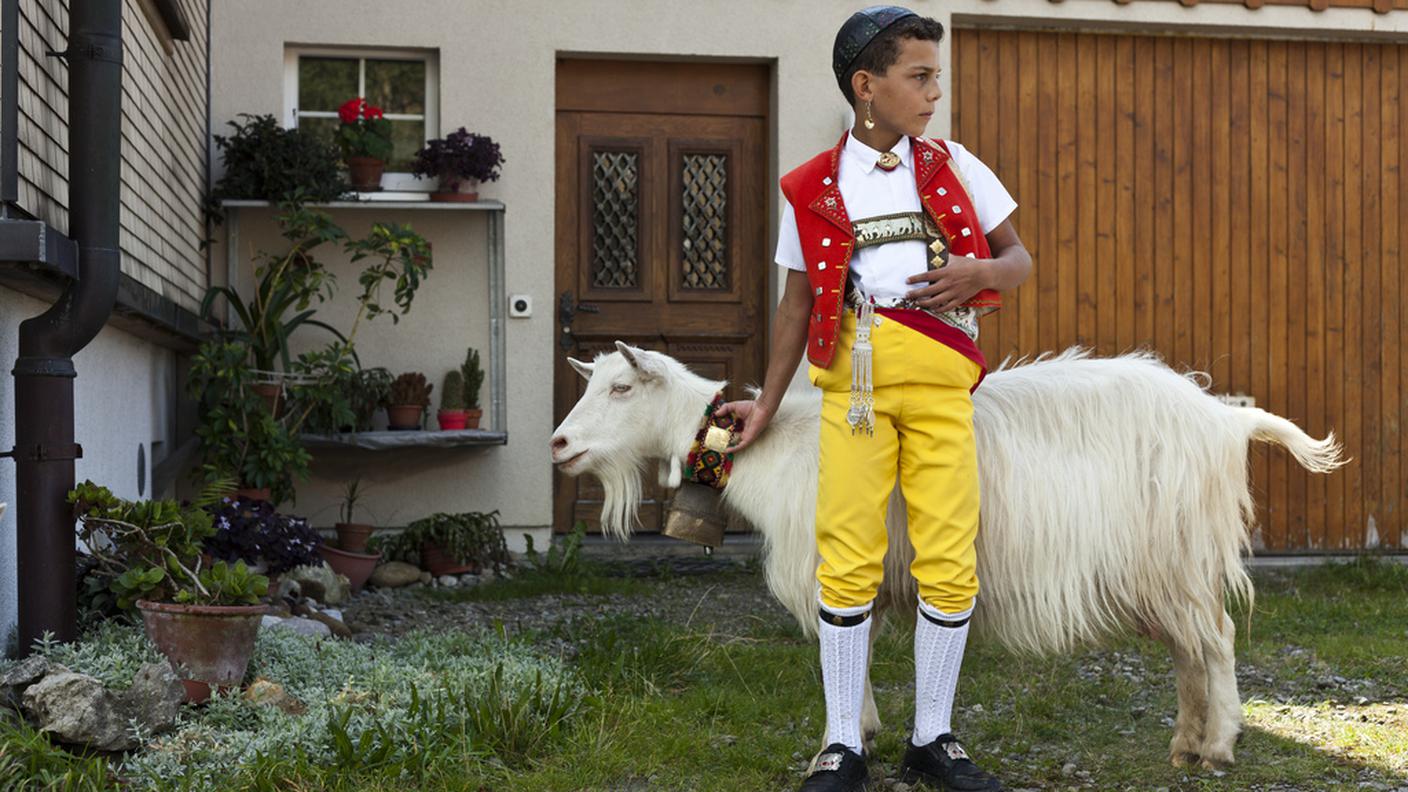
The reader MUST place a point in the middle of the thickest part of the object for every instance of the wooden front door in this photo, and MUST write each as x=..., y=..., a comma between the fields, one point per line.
x=661, y=231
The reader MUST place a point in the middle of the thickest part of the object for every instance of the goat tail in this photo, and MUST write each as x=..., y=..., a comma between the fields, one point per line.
x=1317, y=456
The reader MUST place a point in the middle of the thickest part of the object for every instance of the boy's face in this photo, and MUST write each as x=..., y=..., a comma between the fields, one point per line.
x=903, y=98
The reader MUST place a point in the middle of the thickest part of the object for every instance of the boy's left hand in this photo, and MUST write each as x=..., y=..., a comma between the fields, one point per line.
x=950, y=286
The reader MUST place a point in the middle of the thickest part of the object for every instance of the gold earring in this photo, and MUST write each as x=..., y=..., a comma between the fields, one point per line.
x=869, y=120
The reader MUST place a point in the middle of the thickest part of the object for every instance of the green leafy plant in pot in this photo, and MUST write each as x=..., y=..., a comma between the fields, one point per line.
x=460, y=161
x=203, y=618
x=365, y=139
x=473, y=377
x=448, y=544
x=410, y=395
x=452, y=413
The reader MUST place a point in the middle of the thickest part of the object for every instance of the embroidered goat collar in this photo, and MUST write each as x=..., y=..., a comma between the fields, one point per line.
x=708, y=463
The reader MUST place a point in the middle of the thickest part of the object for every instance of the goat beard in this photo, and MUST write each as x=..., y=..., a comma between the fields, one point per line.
x=621, y=482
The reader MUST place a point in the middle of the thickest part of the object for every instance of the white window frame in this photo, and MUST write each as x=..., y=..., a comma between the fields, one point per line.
x=391, y=180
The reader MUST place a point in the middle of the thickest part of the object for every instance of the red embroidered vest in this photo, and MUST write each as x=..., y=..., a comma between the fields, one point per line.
x=828, y=240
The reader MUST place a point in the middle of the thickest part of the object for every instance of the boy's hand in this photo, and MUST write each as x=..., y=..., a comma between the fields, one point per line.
x=950, y=286
x=754, y=416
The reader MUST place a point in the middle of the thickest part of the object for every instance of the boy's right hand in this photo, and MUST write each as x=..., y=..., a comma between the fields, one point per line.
x=755, y=417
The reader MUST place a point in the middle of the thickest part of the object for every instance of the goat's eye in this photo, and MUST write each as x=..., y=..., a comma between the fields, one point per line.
x=620, y=388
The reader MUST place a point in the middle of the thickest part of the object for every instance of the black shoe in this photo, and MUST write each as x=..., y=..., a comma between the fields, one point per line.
x=944, y=764
x=838, y=769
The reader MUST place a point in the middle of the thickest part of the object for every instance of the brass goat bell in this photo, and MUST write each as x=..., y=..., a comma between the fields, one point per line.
x=696, y=515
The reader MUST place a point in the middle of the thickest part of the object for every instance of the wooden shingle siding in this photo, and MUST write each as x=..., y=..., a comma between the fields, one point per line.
x=1236, y=206
x=163, y=142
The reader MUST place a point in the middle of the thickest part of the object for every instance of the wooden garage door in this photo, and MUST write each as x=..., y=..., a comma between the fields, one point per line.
x=1236, y=206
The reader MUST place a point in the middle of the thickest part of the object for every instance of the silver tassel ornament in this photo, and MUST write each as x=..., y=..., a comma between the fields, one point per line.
x=861, y=415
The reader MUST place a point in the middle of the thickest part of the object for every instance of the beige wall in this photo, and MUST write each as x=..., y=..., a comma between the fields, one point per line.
x=496, y=77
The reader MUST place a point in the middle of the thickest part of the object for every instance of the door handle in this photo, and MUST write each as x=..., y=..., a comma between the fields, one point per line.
x=567, y=309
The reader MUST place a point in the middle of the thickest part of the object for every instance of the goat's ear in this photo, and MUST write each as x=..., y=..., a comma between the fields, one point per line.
x=585, y=369
x=640, y=360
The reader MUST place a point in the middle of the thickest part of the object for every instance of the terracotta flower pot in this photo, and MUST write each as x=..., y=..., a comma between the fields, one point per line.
x=208, y=645
x=356, y=566
x=466, y=191
x=252, y=493
x=472, y=418
x=352, y=537
x=404, y=416
x=272, y=394
x=451, y=419
x=365, y=173
x=434, y=559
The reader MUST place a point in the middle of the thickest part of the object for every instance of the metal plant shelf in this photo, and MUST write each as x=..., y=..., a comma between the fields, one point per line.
x=391, y=440
x=496, y=410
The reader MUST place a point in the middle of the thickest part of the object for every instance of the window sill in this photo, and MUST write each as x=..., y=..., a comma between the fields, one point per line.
x=385, y=200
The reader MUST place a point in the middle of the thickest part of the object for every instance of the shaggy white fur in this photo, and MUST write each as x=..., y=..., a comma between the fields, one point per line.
x=1114, y=497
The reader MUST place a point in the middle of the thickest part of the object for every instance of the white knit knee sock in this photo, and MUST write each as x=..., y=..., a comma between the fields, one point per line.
x=938, y=654
x=844, y=659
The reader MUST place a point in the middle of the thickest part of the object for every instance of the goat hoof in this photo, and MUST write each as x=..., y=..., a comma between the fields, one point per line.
x=1217, y=762
x=1183, y=759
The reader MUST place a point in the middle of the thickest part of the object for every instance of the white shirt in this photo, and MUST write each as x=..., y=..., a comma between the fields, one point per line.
x=867, y=191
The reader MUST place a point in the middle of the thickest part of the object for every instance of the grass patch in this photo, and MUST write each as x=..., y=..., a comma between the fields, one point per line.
x=715, y=707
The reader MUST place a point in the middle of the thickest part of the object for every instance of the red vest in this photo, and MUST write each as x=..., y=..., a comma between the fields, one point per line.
x=827, y=237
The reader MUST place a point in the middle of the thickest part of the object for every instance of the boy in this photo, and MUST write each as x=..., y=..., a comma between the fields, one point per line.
x=895, y=244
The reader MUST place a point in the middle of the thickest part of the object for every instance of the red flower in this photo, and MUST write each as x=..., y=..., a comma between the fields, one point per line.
x=372, y=112
x=351, y=110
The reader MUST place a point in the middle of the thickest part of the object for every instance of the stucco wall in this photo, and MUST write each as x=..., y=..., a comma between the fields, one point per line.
x=121, y=401
x=497, y=77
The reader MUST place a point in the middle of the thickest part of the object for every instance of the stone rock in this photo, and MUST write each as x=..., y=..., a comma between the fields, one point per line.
x=304, y=626
x=321, y=583
x=334, y=625
x=448, y=581
x=23, y=674
x=394, y=574
x=266, y=693
x=426, y=577
x=288, y=589
x=333, y=612
x=155, y=697
x=76, y=708
x=266, y=621
x=469, y=579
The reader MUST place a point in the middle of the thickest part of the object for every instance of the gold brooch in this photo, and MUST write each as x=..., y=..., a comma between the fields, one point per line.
x=888, y=161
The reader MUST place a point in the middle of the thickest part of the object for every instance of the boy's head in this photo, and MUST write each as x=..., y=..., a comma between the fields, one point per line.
x=886, y=61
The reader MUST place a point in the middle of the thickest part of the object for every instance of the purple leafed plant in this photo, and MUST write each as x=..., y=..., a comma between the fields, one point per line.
x=459, y=156
x=252, y=531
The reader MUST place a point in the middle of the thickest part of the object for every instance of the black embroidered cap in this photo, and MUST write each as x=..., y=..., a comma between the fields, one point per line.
x=858, y=31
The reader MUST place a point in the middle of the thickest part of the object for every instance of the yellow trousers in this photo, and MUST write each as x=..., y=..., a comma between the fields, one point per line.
x=923, y=431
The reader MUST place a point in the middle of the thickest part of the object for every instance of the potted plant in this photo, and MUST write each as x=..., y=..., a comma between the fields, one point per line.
x=459, y=161
x=448, y=544
x=365, y=139
x=253, y=532
x=473, y=377
x=203, y=619
x=352, y=536
x=410, y=395
x=452, y=412
x=265, y=162
x=350, y=557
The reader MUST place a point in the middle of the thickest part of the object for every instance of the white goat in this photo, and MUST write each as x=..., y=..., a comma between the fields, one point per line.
x=1114, y=496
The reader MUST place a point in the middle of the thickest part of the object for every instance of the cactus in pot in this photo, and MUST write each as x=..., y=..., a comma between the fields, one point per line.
x=410, y=395
x=473, y=377
x=452, y=411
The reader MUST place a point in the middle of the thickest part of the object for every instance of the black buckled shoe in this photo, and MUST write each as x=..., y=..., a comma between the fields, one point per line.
x=945, y=765
x=838, y=769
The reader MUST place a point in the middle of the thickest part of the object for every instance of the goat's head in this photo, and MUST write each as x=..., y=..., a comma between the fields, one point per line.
x=637, y=409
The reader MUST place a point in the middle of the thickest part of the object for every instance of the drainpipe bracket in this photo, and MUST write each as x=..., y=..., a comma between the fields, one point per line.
x=44, y=367
x=91, y=46
x=61, y=452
